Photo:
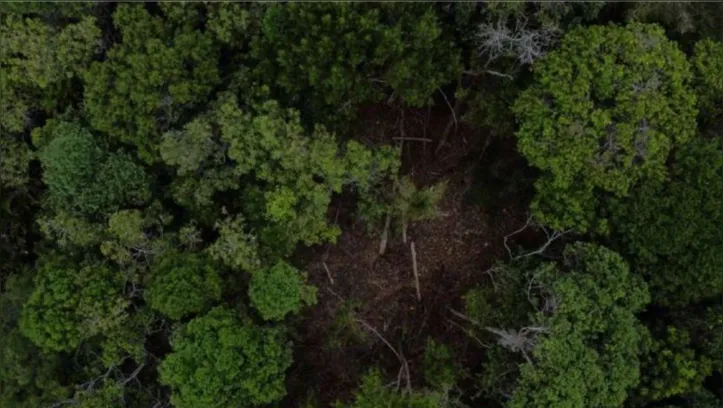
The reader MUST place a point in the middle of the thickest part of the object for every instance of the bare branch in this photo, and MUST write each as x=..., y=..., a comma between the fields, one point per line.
x=416, y=273
x=413, y=139
x=521, y=341
x=454, y=115
x=469, y=333
x=385, y=234
x=133, y=375
x=499, y=74
x=399, y=356
x=328, y=272
x=524, y=227
x=551, y=237
x=498, y=40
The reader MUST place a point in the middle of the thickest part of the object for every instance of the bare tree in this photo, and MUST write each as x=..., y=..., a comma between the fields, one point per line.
x=525, y=45
x=521, y=341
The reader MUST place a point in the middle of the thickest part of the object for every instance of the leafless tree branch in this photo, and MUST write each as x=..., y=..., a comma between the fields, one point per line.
x=400, y=357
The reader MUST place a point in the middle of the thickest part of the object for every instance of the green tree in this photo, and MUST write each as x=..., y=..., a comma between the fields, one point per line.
x=277, y=291
x=286, y=175
x=133, y=236
x=151, y=79
x=236, y=247
x=234, y=24
x=373, y=394
x=585, y=341
x=38, y=62
x=199, y=157
x=402, y=202
x=68, y=230
x=82, y=178
x=605, y=110
x=29, y=377
x=15, y=157
x=682, y=19
x=672, y=367
x=338, y=56
x=181, y=284
x=107, y=396
x=672, y=230
x=441, y=370
x=69, y=305
x=556, y=16
x=218, y=360
x=708, y=64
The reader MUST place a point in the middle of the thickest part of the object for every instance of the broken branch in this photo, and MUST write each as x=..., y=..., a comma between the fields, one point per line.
x=416, y=272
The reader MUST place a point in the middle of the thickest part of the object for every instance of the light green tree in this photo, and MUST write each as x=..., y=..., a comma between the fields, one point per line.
x=277, y=291
x=708, y=63
x=70, y=304
x=220, y=360
x=37, y=64
x=286, y=175
x=584, y=351
x=372, y=394
x=606, y=108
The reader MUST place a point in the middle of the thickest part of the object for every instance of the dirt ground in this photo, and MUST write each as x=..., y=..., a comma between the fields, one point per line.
x=453, y=251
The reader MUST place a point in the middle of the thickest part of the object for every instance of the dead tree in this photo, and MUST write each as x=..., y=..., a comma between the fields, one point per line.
x=522, y=341
x=525, y=45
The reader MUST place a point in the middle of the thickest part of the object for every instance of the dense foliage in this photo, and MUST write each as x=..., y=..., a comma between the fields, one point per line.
x=672, y=230
x=587, y=354
x=605, y=110
x=221, y=204
x=218, y=360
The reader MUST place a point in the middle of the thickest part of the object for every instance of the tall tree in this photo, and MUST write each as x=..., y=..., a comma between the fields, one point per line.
x=70, y=304
x=342, y=55
x=605, y=110
x=588, y=353
x=220, y=360
x=672, y=230
x=151, y=79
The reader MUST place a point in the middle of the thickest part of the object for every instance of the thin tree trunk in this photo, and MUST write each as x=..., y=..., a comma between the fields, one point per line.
x=385, y=234
x=416, y=272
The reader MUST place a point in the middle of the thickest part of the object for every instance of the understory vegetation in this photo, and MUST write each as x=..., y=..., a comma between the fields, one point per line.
x=361, y=205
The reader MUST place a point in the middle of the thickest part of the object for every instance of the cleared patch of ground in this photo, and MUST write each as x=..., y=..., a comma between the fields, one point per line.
x=360, y=290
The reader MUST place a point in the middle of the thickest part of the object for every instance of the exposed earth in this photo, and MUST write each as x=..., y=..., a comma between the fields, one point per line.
x=361, y=291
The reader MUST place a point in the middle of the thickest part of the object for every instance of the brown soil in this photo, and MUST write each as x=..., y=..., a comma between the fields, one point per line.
x=453, y=251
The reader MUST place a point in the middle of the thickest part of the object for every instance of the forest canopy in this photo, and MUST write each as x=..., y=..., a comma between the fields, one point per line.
x=361, y=205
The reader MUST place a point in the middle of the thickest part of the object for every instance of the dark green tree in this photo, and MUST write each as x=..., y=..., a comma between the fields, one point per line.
x=151, y=79
x=342, y=55
x=82, y=178
x=671, y=230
